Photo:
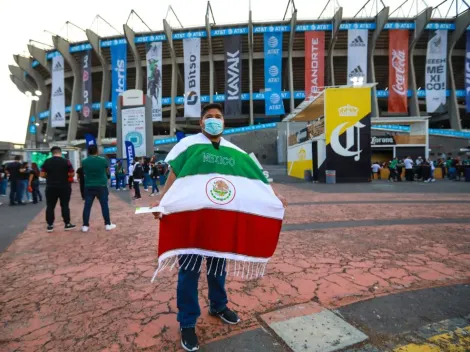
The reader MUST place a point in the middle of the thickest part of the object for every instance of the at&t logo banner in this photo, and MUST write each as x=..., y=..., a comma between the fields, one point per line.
x=273, y=73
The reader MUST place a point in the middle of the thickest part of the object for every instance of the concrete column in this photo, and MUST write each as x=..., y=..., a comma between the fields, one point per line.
x=63, y=47
x=293, y=22
x=94, y=40
x=25, y=63
x=420, y=24
x=174, y=76
x=331, y=47
x=380, y=21
x=462, y=21
x=139, y=72
x=250, y=66
x=211, y=58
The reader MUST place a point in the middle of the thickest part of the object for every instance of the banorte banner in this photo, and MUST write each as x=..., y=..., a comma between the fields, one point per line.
x=86, y=86
x=154, y=78
x=314, y=63
x=398, y=70
x=192, y=77
x=436, y=72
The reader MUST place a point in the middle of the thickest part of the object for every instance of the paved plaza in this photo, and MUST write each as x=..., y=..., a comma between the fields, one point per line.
x=342, y=246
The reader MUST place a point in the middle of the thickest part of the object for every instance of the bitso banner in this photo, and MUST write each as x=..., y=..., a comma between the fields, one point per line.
x=233, y=75
x=273, y=73
x=192, y=77
x=86, y=86
x=467, y=74
x=314, y=63
x=119, y=77
x=398, y=71
x=436, y=72
x=154, y=78
x=58, y=93
x=348, y=132
x=357, y=55
x=133, y=129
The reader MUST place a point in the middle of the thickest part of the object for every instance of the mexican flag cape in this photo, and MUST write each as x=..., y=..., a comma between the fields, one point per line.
x=220, y=206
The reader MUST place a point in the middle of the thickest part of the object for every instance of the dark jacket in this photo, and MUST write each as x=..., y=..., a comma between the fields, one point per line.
x=138, y=172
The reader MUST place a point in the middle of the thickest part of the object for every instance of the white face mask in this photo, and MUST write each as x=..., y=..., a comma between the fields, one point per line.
x=213, y=126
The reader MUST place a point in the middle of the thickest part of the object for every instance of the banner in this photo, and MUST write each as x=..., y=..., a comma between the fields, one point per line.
x=436, y=72
x=233, y=75
x=133, y=129
x=87, y=113
x=273, y=74
x=467, y=74
x=314, y=63
x=119, y=69
x=357, y=55
x=58, y=92
x=398, y=70
x=154, y=78
x=89, y=139
x=348, y=133
x=130, y=154
x=112, y=171
x=192, y=77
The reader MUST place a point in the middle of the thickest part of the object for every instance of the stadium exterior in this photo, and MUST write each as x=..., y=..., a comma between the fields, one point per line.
x=34, y=73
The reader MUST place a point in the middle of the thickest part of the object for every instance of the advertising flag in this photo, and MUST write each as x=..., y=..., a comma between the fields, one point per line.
x=130, y=153
x=119, y=77
x=233, y=78
x=133, y=129
x=192, y=77
x=314, y=63
x=357, y=55
x=273, y=73
x=398, y=71
x=436, y=72
x=154, y=78
x=467, y=74
x=89, y=139
x=86, y=86
x=58, y=93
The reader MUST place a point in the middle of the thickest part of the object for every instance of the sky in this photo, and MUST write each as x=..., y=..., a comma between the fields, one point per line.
x=22, y=24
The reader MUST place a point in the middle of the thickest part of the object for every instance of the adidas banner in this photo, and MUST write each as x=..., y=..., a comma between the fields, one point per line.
x=154, y=78
x=436, y=72
x=119, y=69
x=398, y=70
x=467, y=73
x=273, y=73
x=192, y=77
x=357, y=55
x=86, y=86
x=233, y=75
x=314, y=63
x=58, y=93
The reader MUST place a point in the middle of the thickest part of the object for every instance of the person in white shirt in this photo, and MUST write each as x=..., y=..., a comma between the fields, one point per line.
x=431, y=176
x=408, y=168
x=131, y=177
x=376, y=170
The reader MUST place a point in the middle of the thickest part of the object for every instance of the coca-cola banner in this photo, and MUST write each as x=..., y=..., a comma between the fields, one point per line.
x=398, y=70
x=314, y=63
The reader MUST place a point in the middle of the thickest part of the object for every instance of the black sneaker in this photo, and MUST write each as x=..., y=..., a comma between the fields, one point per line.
x=69, y=227
x=227, y=315
x=189, y=339
x=50, y=228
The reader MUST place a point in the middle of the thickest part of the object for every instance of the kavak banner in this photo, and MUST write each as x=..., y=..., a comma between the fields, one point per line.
x=233, y=75
x=314, y=63
x=398, y=71
x=357, y=55
x=348, y=133
x=436, y=72
x=119, y=77
x=273, y=73
x=86, y=86
x=58, y=93
x=154, y=78
x=133, y=129
x=192, y=77
x=467, y=73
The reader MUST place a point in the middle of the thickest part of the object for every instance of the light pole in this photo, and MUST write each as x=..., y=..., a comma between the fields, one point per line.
x=32, y=123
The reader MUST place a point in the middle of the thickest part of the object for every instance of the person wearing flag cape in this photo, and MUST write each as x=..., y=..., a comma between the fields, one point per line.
x=217, y=205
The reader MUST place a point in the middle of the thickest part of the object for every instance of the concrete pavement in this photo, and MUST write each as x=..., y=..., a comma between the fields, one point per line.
x=75, y=292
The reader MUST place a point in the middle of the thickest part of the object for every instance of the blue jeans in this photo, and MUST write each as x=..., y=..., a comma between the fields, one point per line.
x=24, y=187
x=154, y=185
x=15, y=191
x=36, y=192
x=187, y=289
x=120, y=181
x=147, y=180
x=100, y=192
x=3, y=186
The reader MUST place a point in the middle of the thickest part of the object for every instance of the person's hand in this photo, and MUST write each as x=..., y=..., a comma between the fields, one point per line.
x=283, y=200
x=156, y=215
x=30, y=189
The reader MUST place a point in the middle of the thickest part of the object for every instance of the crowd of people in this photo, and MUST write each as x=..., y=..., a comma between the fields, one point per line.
x=421, y=169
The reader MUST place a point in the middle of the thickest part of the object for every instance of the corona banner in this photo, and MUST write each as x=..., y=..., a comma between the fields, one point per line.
x=348, y=133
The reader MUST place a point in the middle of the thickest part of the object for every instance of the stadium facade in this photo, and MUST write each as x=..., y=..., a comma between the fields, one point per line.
x=346, y=49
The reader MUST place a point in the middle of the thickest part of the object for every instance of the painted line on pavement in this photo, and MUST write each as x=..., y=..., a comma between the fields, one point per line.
x=384, y=202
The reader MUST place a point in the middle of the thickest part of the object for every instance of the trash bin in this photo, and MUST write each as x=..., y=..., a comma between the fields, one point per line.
x=466, y=172
x=330, y=177
x=308, y=175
